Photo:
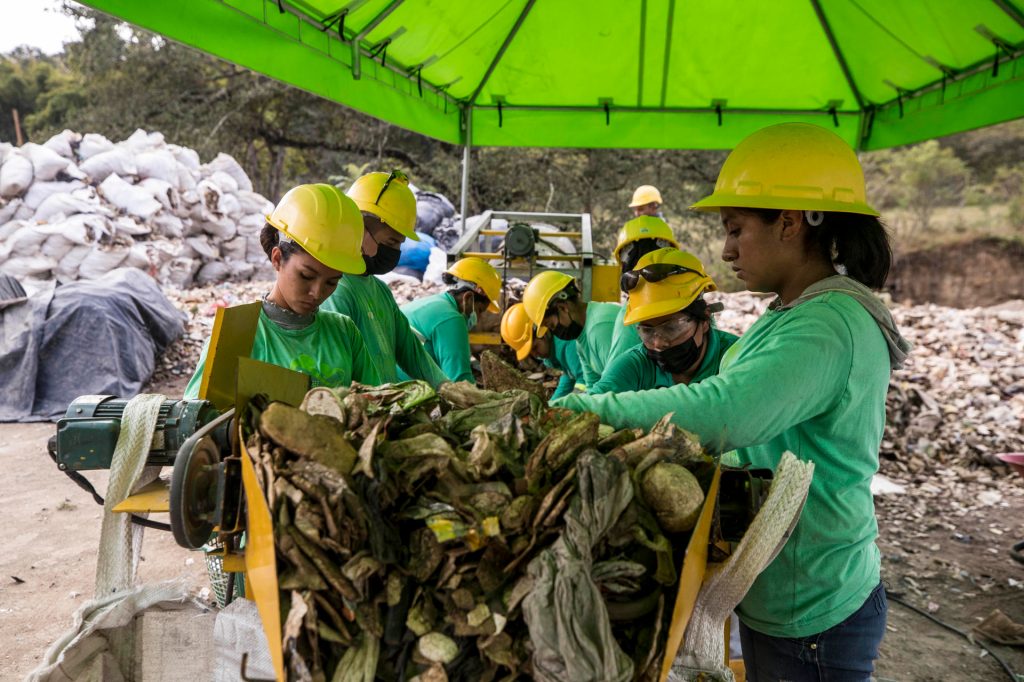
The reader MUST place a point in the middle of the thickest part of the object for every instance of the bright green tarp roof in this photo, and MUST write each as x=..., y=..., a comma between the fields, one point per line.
x=688, y=74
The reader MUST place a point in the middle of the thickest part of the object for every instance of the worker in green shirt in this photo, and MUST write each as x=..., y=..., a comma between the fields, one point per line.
x=443, y=320
x=809, y=377
x=517, y=331
x=679, y=345
x=311, y=238
x=389, y=214
x=553, y=300
x=638, y=237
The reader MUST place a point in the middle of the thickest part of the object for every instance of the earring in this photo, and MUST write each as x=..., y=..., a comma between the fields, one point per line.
x=814, y=218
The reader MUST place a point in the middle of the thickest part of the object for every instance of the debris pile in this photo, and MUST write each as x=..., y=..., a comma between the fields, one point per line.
x=78, y=206
x=414, y=534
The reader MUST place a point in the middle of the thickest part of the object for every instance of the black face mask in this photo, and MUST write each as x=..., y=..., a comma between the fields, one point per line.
x=568, y=332
x=676, y=359
x=386, y=260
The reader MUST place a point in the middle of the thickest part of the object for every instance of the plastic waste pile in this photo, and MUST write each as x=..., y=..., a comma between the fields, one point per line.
x=78, y=206
x=471, y=534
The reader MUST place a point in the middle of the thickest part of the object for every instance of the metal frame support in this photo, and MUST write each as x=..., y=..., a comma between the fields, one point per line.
x=463, y=199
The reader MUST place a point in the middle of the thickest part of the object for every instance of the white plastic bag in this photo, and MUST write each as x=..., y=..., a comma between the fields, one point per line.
x=234, y=249
x=73, y=229
x=185, y=156
x=127, y=225
x=221, y=228
x=211, y=272
x=209, y=195
x=101, y=260
x=118, y=160
x=56, y=247
x=8, y=209
x=67, y=268
x=162, y=191
x=46, y=163
x=137, y=258
x=254, y=203
x=93, y=144
x=128, y=198
x=226, y=162
x=67, y=204
x=16, y=174
x=39, y=191
x=168, y=225
x=229, y=206
x=202, y=247
x=25, y=242
x=28, y=266
x=64, y=143
x=226, y=183
x=158, y=163
x=178, y=272
x=141, y=141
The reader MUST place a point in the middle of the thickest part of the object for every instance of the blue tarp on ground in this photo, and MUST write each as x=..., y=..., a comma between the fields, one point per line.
x=99, y=336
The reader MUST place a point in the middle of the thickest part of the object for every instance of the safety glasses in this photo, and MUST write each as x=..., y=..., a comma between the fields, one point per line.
x=653, y=273
x=395, y=175
x=669, y=330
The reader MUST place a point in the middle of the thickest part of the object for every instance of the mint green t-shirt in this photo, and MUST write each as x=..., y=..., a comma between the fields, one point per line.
x=634, y=371
x=565, y=358
x=445, y=335
x=330, y=351
x=389, y=340
x=810, y=379
x=594, y=345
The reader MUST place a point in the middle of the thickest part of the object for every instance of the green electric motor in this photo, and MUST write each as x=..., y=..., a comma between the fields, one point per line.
x=87, y=434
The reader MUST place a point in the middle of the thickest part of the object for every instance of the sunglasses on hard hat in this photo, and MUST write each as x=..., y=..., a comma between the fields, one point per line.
x=395, y=175
x=653, y=273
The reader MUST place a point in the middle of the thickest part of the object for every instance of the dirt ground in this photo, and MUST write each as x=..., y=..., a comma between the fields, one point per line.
x=942, y=551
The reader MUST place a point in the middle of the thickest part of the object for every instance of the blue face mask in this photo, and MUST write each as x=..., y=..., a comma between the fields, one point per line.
x=471, y=320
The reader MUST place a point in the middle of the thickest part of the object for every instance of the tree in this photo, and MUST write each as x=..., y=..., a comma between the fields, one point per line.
x=930, y=175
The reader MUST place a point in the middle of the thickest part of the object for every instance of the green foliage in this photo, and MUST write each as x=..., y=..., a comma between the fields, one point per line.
x=1008, y=185
x=26, y=76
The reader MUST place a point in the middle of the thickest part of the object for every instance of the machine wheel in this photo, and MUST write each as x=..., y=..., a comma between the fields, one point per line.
x=194, y=493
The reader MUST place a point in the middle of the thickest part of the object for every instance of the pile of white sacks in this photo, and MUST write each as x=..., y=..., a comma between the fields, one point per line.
x=79, y=206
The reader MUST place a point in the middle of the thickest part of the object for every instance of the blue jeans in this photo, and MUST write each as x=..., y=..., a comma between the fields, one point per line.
x=844, y=653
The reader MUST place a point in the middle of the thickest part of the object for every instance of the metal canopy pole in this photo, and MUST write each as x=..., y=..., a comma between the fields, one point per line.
x=465, y=165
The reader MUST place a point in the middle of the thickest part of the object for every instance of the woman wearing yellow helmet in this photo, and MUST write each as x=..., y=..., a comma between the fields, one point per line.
x=678, y=343
x=554, y=302
x=517, y=331
x=311, y=239
x=809, y=377
x=443, y=320
x=388, y=206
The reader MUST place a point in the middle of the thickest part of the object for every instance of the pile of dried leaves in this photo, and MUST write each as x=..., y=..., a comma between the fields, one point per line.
x=406, y=523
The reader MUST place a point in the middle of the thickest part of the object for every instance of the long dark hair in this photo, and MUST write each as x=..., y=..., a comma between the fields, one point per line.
x=271, y=237
x=858, y=242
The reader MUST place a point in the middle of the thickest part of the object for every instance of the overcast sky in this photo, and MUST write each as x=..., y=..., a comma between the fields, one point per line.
x=38, y=23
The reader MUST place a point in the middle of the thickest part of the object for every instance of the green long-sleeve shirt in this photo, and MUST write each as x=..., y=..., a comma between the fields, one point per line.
x=810, y=379
x=330, y=350
x=445, y=335
x=565, y=358
x=594, y=345
x=624, y=336
x=386, y=333
x=634, y=371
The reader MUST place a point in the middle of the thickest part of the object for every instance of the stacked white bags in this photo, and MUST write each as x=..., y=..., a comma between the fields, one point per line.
x=79, y=206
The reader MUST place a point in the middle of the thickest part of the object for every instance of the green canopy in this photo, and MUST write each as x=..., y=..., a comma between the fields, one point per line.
x=694, y=74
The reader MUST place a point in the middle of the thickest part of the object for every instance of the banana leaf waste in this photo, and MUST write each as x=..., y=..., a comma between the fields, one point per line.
x=466, y=534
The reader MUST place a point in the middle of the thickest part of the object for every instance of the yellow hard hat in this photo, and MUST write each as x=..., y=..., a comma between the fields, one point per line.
x=481, y=273
x=517, y=330
x=539, y=292
x=645, y=194
x=387, y=196
x=325, y=223
x=791, y=166
x=643, y=227
x=671, y=292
